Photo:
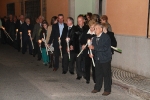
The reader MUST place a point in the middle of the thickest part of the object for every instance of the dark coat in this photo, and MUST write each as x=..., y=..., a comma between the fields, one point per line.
x=113, y=40
x=24, y=29
x=79, y=34
x=102, y=50
x=18, y=26
x=42, y=36
x=55, y=35
x=84, y=39
x=70, y=34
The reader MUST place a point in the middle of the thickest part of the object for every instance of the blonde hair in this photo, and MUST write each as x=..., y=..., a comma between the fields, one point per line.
x=92, y=22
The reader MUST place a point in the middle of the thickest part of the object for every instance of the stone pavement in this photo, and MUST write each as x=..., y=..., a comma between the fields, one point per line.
x=22, y=77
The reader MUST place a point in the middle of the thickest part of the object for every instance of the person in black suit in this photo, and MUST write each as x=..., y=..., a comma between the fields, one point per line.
x=88, y=62
x=111, y=35
x=18, y=26
x=25, y=36
x=80, y=30
x=101, y=46
x=55, y=34
x=68, y=33
x=3, y=35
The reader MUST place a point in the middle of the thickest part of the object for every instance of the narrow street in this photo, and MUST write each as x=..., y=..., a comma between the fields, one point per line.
x=22, y=77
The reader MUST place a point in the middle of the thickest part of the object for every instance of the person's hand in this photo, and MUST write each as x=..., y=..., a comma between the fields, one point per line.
x=49, y=45
x=67, y=39
x=60, y=47
x=91, y=55
x=68, y=49
x=83, y=47
x=91, y=47
x=71, y=47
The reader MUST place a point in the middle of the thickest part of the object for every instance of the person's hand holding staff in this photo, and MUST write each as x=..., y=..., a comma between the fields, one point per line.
x=29, y=33
x=68, y=50
x=16, y=33
x=59, y=41
x=82, y=50
x=6, y=33
x=40, y=45
x=89, y=43
x=21, y=39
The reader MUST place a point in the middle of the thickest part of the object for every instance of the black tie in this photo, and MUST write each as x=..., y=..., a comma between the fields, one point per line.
x=68, y=31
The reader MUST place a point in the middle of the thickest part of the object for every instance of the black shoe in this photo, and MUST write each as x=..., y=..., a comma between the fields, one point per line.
x=87, y=82
x=78, y=78
x=33, y=55
x=71, y=72
x=45, y=64
x=23, y=53
x=64, y=72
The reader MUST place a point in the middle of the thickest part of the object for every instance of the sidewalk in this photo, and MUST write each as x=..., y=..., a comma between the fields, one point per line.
x=132, y=83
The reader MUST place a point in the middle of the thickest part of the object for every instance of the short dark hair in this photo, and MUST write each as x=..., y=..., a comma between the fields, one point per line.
x=53, y=19
x=60, y=15
x=71, y=19
x=45, y=22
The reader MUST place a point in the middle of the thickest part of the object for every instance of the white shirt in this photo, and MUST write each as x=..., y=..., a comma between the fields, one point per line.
x=89, y=32
x=61, y=26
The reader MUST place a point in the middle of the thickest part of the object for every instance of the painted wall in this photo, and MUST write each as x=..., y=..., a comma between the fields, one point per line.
x=129, y=21
x=128, y=17
x=3, y=5
x=55, y=7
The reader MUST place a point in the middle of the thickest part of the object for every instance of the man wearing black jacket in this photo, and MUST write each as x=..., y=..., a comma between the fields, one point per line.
x=101, y=46
x=68, y=33
x=18, y=26
x=26, y=40
x=55, y=34
x=81, y=29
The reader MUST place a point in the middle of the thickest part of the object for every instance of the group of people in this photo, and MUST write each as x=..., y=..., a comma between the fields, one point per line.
x=86, y=45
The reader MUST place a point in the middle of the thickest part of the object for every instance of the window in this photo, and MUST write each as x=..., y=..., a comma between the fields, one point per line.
x=11, y=8
x=32, y=9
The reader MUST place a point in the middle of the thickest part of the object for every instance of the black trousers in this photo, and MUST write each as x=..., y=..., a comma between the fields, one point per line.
x=88, y=64
x=68, y=64
x=24, y=46
x=80, y=66
x=103, y=72
x=3, y=37
x=36, y=50
x=56, y=57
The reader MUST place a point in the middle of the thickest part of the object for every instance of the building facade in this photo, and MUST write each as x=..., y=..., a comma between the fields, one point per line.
x=128, y=18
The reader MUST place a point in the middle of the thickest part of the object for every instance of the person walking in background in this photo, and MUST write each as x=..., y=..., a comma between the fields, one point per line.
x=43, y=36
x=101, y=46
